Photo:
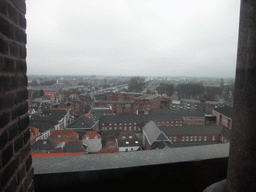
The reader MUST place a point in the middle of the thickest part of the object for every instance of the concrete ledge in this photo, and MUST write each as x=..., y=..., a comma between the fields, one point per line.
x=128, y=159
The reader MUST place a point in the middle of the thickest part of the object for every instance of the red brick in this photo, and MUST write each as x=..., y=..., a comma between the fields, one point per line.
x=4, y=119
x=7, y=101
x=3, y=139
x=5, y=84
x=22, y=21
x=7, y=154
x=3, y=7
x=18, y=143
x=9, y=65
x=21, y=66
x=26, y=136
x=28, y=163
x=13, y=185
x=20, y=4
x=13, y=14
x=25, y=151
x=23, y=124
x=20, y=35
x=1, y=64
x=6, y=28
x=23, y=52
x=21, y=95
x=13, y=131
x=14, y=49
x=4, y=46
x=21, y=174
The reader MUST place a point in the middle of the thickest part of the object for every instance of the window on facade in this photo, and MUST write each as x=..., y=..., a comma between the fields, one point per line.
x=174, y=138
x=195, y=138
x=125, y=128
x=170, y=138
x=183, y=138
x=191, y=138
x=187, y=138
x=213, y=137
x=136, y=141
x=205, y=138
x=127, y=142
x=199, y=138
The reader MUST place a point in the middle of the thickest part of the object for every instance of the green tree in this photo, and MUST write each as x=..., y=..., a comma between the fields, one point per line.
x=41, y=92
x=136, y=84
x=190, y=90
x=165, y=88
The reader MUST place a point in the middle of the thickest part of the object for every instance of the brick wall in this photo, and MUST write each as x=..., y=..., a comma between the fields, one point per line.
x=16, y=172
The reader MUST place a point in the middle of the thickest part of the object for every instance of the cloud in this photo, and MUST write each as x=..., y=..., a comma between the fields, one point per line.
x=132, y=37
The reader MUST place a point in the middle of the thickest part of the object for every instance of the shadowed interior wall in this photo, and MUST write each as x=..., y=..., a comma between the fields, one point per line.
x=16, y=172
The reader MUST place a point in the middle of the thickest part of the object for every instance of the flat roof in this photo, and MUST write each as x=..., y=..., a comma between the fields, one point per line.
x=91, y=162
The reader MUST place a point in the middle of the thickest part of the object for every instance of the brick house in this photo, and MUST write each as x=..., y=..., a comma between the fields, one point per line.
x=223, y=115
x=193, y=134
x=168, y=117
x=122, y=122
x=65, y=136
x=131, y=105
x=86, y=122
x=128, y=141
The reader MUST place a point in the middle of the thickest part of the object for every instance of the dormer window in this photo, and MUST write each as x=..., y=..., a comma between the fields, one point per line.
x=130, y=137
x=123, y=137
x=96, y=137
x=59, y=136
x=87, y=137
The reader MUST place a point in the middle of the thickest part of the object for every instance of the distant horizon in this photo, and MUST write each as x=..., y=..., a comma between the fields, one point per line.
x=163, y=76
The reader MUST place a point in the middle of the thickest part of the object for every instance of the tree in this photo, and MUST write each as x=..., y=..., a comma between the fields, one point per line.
x=136, y=84
x=165, y=88
x=189, y=90
x=211, y=92
x=41, y=92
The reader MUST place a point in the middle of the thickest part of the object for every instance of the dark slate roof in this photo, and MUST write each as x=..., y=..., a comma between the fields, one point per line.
x=160, y=145
x=110, y=133
x=44, y=144
x=166, y=114
x=192, y=130
x=225, y=110
x=49, y=116
x=195, y=112
x=226, y=132
x=85, y=121
x=162, y=137
x=124, y=118
x=41, y=127
x=74, y=146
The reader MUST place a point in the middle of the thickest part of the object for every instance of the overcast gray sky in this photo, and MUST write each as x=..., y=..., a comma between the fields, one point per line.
x=133, y=37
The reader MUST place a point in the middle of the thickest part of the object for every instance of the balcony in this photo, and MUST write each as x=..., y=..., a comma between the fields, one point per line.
x=176, y=169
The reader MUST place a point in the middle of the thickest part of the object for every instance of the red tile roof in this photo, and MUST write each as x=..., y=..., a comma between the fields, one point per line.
x=64, y=134
x=30, y=110
x=89, y=115
x=34, y=131
x=109, y=150
x=92, y=135
x=51, y=93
